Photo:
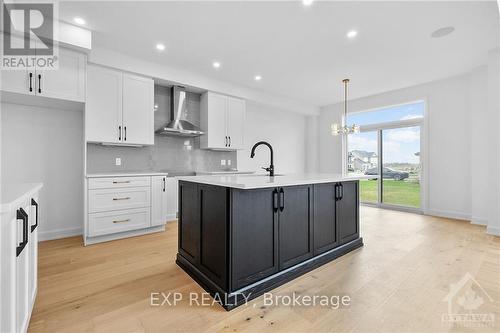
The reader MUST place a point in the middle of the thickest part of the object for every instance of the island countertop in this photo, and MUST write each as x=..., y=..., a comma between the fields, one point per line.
x=12, y=194
x=263, y=181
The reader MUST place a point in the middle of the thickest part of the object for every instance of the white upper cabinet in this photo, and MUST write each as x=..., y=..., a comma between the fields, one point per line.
x=66, y=83
x=223, y=120
x=103, y=108
x=119, y=107
x=138, y=110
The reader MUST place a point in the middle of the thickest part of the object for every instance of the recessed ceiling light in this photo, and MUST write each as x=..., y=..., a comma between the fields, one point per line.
x=216, y=64
x=258, y=77
x=351, y=34
x=307, y=2
x=441, y=32
x=79, y=20
x=160, y=47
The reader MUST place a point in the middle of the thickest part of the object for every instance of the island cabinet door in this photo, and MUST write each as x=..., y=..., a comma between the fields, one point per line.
x=348, y=211
x=213, y=259
x=295, y=225
x=325, y=227
x=189, y=225
x=254, y=231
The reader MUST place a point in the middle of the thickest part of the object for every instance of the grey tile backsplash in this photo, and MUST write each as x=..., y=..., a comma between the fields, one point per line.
x=168, y=153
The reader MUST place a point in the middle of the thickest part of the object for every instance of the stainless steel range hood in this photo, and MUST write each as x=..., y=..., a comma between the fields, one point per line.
x=179, y=126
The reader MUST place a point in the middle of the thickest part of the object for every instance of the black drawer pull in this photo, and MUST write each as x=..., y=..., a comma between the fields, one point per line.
x=21, y=215
x=34, y=203
x=39, y=83
x=282, y=199
x=31, y=82
x=275, y=200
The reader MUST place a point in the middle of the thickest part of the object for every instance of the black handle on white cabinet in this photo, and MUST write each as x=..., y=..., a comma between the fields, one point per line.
x=21, y=215
x=39, y=83
x=282, y=199
x=229, y=141
x=275, y=200
x=125, y=133
x=225, y=141
x=34, y=203
x=119, y=133
x=164, y=185
x=31, y=82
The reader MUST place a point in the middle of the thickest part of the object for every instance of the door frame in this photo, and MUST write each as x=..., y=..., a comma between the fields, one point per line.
x=378, y=128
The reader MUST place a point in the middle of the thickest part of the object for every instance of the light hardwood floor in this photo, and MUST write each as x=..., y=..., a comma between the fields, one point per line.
x=396, y=282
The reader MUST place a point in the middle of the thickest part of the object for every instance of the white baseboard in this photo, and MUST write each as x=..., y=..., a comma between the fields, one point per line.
x=479, y=221
x=60, y=233
x=495, y=231
x=448, y=214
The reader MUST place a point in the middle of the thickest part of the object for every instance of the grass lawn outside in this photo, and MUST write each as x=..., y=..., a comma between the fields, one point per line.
x=396, y=192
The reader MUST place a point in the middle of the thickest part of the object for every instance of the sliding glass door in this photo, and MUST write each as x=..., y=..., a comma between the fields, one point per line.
x=390, y=151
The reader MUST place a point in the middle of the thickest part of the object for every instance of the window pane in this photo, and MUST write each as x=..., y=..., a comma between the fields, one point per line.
x=363, y=159
x=401, y=166
x=401, y=112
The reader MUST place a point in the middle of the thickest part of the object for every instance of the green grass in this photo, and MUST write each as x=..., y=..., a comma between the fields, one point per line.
x=405, y=193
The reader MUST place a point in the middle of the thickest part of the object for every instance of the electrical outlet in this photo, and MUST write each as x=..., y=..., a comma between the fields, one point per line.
x=228, y=162
x=118, y=161
x=222, y=162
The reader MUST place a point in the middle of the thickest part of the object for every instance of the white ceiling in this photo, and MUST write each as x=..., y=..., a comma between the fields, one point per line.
x=301, y=52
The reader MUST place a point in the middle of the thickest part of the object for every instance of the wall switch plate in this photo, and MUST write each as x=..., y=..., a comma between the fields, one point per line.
x=118, y=161
x=222, y=162
x=228, y=162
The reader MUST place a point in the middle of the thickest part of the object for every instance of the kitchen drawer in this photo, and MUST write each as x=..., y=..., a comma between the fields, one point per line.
x=118, y=182
x=116, y=199
x=118, y=221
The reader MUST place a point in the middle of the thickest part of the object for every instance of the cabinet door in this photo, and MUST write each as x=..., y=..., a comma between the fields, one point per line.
x=103, y=108
x=138, y=110
x=189, y=222
x=295, y=225
x=67, y=82
x=236, y=122
x=213, y=228
x=348, y=212
x=18, y=81
x=22, y=281
x=325, y=227
x=158, y=200
x=254, y=235
x=216, y=121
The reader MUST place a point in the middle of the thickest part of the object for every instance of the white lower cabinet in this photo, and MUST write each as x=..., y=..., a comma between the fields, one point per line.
x=119, y=207
x=19, y=259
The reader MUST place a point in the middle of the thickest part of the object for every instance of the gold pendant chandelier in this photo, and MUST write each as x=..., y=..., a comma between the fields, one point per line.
x=339, y=129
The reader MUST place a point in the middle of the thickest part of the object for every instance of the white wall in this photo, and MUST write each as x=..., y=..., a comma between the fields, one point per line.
x=285, y=131
x=448, y=133
x=46, y=145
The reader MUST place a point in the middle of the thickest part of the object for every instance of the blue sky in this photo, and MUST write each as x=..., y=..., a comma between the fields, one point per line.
x=400, y=145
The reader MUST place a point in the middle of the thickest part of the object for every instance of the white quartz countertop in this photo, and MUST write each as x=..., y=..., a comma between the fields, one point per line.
x=11, y=195
x=225, y=172
x=126, y=174
x=262, y=181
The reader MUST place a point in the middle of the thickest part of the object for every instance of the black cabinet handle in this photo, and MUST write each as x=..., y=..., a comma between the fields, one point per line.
x=31, y=82
x=225, y=138
x=341, y=191
x=229, y=141
x=21, y=215
x=275, y=200
x=163, y=184
x=282, y=199
x=119, y=133
x=34, y=203
x=39, y=83
x=337, y=190
x=125, y=136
